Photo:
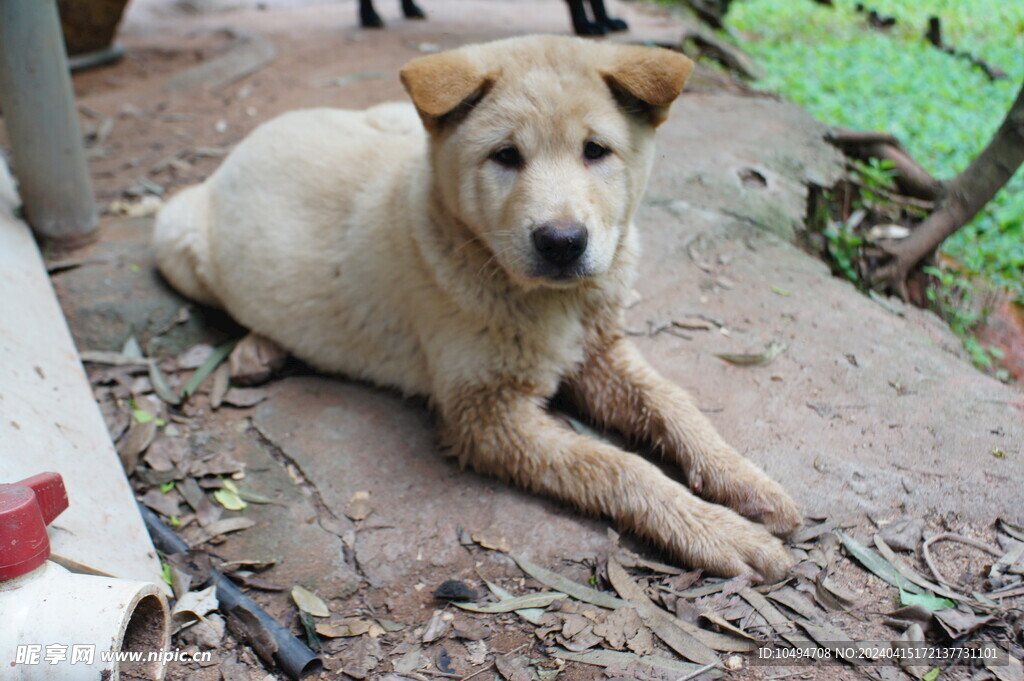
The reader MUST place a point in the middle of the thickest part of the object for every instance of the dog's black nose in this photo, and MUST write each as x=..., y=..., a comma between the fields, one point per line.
x=560, y=243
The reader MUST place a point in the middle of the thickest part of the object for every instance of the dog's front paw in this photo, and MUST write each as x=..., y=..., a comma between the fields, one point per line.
x=725, y=477
x=765, y=501
x=723, y=543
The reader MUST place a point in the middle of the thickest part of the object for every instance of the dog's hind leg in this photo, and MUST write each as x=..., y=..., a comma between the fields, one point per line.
x=368, y=17
x=412, y=11
x=580, y=23
x=255, y=359
x=617, y=388
x=510, y=434
x=182, y=246
x=602, y=18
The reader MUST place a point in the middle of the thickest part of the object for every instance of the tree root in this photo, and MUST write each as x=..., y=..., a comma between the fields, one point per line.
x=912, y=178
x=956, y=201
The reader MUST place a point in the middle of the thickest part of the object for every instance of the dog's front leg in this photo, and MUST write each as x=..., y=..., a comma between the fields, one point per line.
x=618, y=388
x=508, y=433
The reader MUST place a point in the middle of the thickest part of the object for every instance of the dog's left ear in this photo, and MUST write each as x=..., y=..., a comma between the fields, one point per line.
x=441, y=84
x=646, y=80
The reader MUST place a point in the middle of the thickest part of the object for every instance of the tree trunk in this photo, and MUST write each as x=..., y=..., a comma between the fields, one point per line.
x=965, y=195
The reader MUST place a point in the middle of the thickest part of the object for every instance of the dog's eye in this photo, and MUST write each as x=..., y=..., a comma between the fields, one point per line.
x=508, y=156
x=592, y=151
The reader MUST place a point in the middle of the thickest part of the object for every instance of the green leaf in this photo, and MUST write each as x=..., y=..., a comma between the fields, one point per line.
x=540, y=599
x=219, y=354
x=167, y=486
x=876, y=564
x=165, y=572
x=926, y=600
x=567, y=586
x=142, y=416
x=931, y=674
x=229, y=500
x=160, y=385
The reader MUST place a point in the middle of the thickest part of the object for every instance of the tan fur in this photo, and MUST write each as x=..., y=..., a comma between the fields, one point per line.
x=369, y=247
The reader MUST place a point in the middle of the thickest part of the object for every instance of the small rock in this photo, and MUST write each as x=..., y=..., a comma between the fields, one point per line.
x=904, y=535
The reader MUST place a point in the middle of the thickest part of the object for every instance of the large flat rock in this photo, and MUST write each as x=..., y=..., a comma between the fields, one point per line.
x=350, y=438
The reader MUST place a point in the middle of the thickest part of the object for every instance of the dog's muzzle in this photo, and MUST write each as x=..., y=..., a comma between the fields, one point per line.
x=560, y=244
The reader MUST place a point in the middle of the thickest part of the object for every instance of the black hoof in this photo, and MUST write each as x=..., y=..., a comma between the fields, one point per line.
x=412, y=11
x=371, y=20
x=589, y=28
x=614, y=25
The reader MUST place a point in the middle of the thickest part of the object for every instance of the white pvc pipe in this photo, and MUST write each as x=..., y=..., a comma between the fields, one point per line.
x=59, y=626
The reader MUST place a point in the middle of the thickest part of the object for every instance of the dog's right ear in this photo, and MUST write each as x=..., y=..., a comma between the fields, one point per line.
x=443, y=85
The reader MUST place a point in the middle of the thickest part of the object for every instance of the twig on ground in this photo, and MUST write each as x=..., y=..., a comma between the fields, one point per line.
x=692, y=675
x=478, y=672
x=950, y=536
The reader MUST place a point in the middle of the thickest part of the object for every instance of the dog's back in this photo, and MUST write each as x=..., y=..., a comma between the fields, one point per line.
x=293, y=226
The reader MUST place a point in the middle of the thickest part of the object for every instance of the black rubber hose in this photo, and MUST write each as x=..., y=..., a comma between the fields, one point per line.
x=285, y=650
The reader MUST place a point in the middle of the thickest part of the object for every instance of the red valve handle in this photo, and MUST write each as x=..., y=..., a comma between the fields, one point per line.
x=26, y=508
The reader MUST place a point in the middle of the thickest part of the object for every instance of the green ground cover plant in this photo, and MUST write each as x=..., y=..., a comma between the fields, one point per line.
x=943, y=108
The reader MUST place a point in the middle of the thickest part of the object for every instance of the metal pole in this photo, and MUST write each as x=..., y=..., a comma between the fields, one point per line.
x=38, y=108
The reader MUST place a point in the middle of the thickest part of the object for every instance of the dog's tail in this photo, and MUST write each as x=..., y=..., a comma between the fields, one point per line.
x=181, y=241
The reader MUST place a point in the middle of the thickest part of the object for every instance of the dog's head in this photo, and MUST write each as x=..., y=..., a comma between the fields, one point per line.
x=542, y=146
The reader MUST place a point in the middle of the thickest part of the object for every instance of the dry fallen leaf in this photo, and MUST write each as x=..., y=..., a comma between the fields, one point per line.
x=309, y=602
x=512, y=668
x=436, y=628
x=343, y=627
x=468, y=629
x=411, y=660
x=194, y=357
x=244, y=397
x=538, y=599
x=476, y=653
x=165, y=504
x=773, y=350
x=219, y=527
x=164, y=454
x=135, y=442
x=206, y=512
x=221, y=382
x=194, y=605
x=362, y=658
x=619, y=626
x=492, y=538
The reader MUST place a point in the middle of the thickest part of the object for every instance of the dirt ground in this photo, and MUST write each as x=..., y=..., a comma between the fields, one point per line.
x=871, y=416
